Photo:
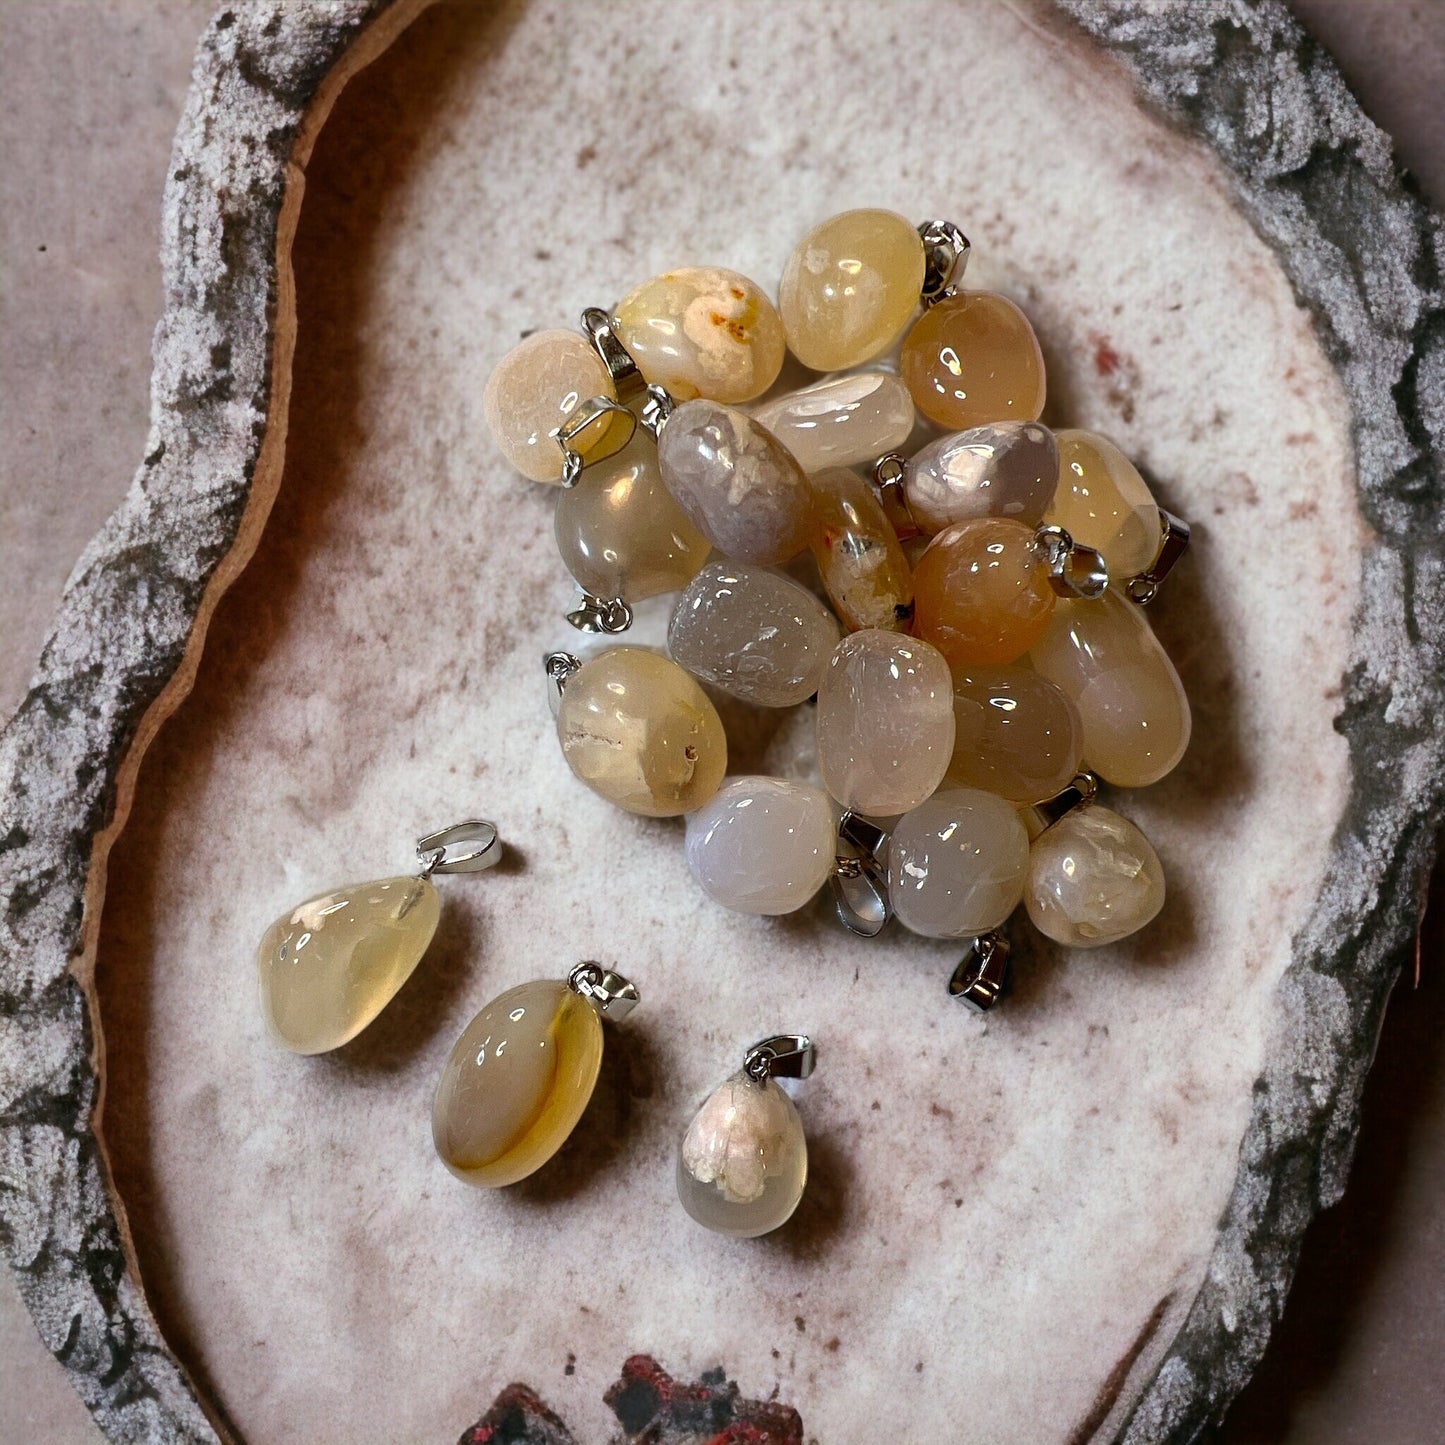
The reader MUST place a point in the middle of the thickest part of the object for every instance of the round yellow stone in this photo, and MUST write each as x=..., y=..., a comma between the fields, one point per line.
x=532, y=391
x=516, y=1083
x=639, y=730
x=703, y=331
x=850, y=287
x=1103, y=502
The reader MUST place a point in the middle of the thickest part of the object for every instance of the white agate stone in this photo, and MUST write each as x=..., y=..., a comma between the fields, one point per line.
x=762, y=845
x=743, y=1162
x=956, y=864
x=1006, y=469
x=841, y=420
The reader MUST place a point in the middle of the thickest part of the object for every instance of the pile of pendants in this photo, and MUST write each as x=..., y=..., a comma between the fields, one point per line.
x=982, y=657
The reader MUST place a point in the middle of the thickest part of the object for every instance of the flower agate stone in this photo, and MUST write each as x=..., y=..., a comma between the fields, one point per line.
x=330, y=966
x=532, y=391
x=980, y=594
x=738, y=483
x=1093, y=878
x=621, y=534
x=1016, y=734
x=885, y=722
x=971, y=359
x=849, y=288
x=743, y=1162
x=516, y=1083
x=864, y=571
x=956, y=864
x=639, y=731
x=753, y=633
x=841, y=420
x=762, y=845
x=1005, y=469
x=1103, y=502
x=703, y=331
x=1134, y=709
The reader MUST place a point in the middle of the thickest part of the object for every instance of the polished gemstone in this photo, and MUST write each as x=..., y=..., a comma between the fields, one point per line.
x=973, y=359
x=841, y=420
x=1016, y=734
x=1093, y=878
x=753, y=633
x=738, y=483
x=885, y=722
x=1134, y=709
x=762, y=845
x=639, y=730
x=864, y=571
x=330, y=966
x=980, y=593
x=516, y=1083
x=1005, y=469
x=621, y=534
x=743, y=1161
x=532, y=391
x=850, y=287
x=703, y=331
x=956, y=864
x=1102, y=500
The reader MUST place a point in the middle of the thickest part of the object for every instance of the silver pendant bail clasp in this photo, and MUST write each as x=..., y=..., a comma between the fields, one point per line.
x=781, y=1056
x=982, y=973
x=614, y=996
x=469, y=847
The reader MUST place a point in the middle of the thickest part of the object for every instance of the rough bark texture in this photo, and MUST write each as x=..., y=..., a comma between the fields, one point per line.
x=1318, y=180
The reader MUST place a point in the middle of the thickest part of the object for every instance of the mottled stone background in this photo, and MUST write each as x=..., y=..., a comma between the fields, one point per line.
x=90, y=94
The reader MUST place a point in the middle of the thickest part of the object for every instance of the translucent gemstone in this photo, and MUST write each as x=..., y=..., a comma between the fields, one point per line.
x=703, y=331
x=743, y=1162
x=621, y=534
x=1134, y=709
x=532, y=391
x=639, y=731
x=753, y=633
x=737, y=482
x=973, y=359
x=956, y=864
x=1103, y=501
x=980, y=594
x=841, y=420
x=1005, y=469
x=885, y=722
x=330, y=966
x=863, y=568
x=849, y=288
x=1016, y=734
x=1093, y=878
x=762, y=845
x=516, y=1083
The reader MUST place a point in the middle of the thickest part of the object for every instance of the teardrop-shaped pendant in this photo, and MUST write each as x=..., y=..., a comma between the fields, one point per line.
x=743, y=1161
x=522, y=1074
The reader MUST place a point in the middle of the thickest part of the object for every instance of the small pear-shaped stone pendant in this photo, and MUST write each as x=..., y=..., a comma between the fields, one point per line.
x=522, y=1074
x=743, y=1161
x=329, y=966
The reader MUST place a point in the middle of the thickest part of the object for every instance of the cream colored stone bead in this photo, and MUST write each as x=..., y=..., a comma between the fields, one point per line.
x=703, y=331
x=864, y=571
x=1016, y=734
x=1134, y=709
x=330, y=966
x=1093, y=879
x=850, y=286
x=638, y=730
x=1102, y=501
x=841, y=420
x=516, y=1083
x=1005, y=469
x=532, y=391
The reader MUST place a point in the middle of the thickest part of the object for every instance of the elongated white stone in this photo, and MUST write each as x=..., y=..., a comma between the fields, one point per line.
x=841, y=420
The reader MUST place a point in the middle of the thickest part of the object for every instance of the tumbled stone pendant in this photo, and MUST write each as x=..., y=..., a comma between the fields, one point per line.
x=742, y=1162
x=522, y=1074
x=330, y=965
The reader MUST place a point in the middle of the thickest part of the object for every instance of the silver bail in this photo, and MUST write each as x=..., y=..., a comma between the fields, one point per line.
x=1174, y=542
x=614, y=995
x=1083, y=788
x=627, y=380
x=598, y=415
x=858, y=881
x=560, y=666
x=1074, y=569
x=782, y=1056
x=600, y=614
x=982, y=973
x=945, y=252
x=888, y=476
x=468, y=847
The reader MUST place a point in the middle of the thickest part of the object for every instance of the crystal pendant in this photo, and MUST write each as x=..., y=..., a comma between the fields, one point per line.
x=841, y=420
x=859, y=559
x=1006, y=469
x=1016, y=734
x=1102, y=501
